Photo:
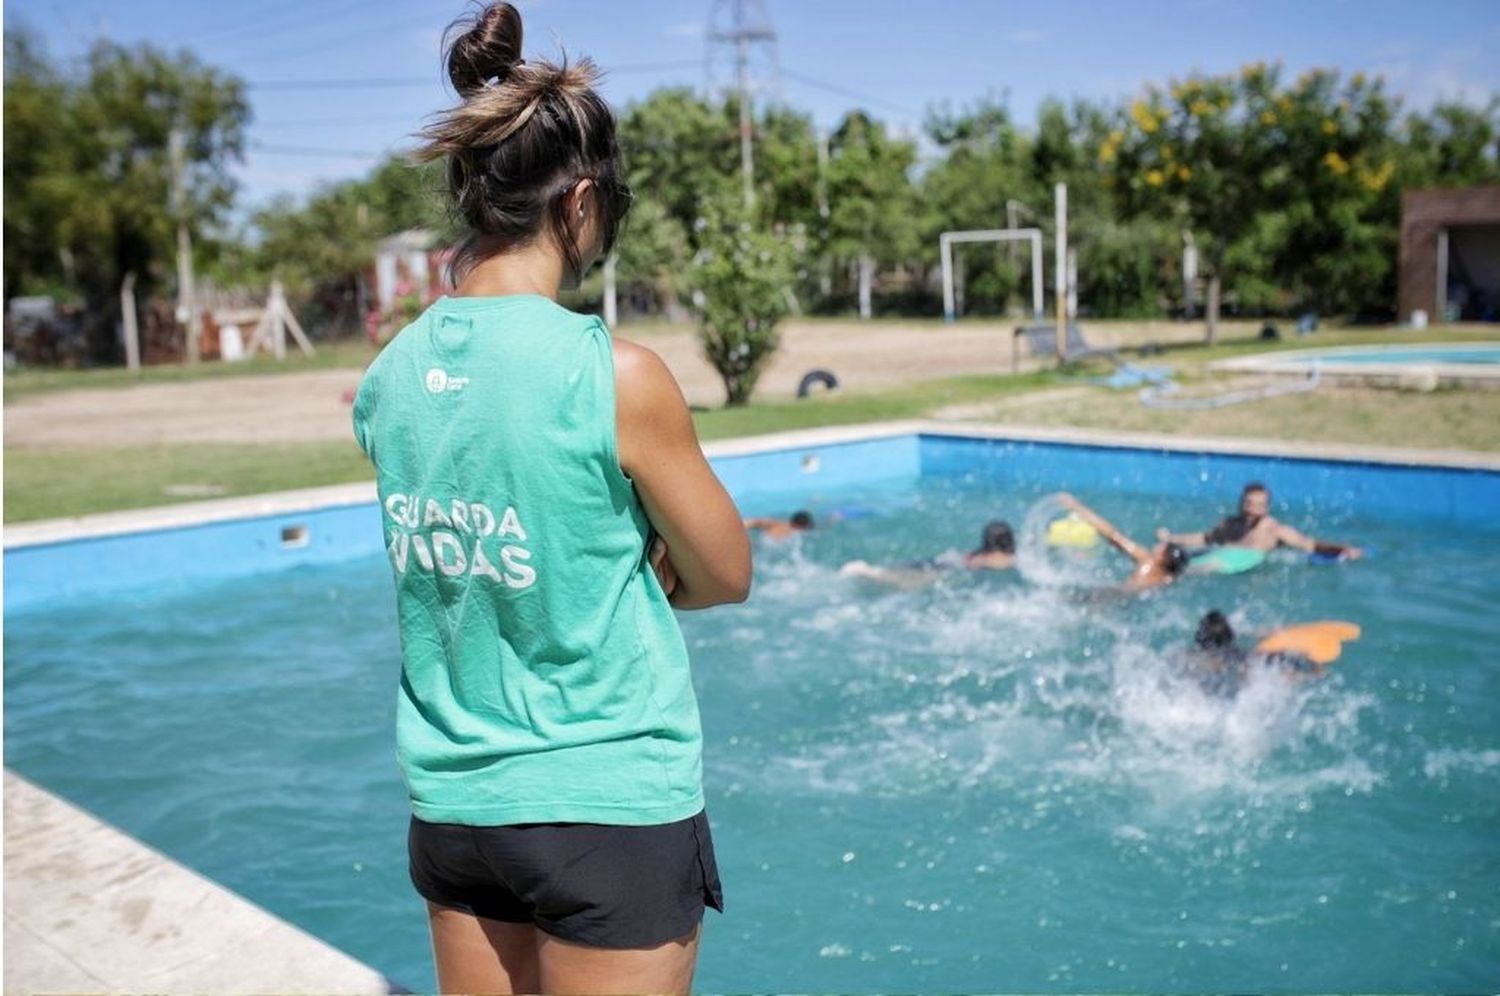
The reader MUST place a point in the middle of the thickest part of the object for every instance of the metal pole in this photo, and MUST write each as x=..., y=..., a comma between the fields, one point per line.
x=1060, y=280
x=1440, y=299
x=1072, y=283
x=945, y=250
x=747, y=154
x=611, y=305
x=1036, y=275
x=187, y=307
x=132, y=332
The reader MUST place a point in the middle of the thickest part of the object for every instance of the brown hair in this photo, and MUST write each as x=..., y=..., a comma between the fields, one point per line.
x=525, y=134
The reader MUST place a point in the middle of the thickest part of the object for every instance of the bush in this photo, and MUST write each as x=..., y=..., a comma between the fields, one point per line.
x=739, y=279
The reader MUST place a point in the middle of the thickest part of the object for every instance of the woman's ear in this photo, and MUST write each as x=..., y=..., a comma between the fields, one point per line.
x=578, y=200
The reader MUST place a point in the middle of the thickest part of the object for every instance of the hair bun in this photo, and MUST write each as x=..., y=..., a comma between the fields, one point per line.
x=488, y=50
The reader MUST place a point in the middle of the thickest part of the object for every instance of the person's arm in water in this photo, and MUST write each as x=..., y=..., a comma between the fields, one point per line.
x=1288, y=536
x=1166, y=535
x=1106, y=529
x=707, y=551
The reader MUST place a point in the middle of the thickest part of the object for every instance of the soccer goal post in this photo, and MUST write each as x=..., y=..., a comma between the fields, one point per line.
x=1032, y=235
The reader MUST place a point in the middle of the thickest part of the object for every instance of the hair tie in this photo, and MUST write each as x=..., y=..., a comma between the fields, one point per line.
x=500, y=78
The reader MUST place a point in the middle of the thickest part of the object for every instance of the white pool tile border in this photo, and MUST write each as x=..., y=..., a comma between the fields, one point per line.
x=90, y=909
x=188, y=514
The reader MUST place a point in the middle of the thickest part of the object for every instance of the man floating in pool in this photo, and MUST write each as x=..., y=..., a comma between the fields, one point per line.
x=801, y=521
x=996, y=552
x=1221, y=667
x=1153, y=568
x=1256, y=531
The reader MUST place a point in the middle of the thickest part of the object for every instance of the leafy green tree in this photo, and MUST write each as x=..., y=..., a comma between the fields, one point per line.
x=1280, y=184
x=95, y=194
x=739, y=278
x=871, y=199
x=681, y=151
x=985, y=163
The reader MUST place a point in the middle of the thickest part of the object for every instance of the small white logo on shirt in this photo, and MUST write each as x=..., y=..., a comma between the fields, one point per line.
x=438, y=381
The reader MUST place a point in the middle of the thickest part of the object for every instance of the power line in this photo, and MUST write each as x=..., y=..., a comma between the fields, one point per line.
x=347, y=38
x=298, y=150
x=373, y=83
x=330, y=122
x=248, y=32
x=851, y=94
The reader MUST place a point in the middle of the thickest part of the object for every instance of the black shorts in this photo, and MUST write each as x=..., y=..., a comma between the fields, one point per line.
x=588, y=883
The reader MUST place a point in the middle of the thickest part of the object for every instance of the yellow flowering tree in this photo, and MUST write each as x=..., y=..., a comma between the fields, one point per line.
x=1284, y=186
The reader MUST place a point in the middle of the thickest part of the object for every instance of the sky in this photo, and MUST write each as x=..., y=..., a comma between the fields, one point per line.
x=335, y=85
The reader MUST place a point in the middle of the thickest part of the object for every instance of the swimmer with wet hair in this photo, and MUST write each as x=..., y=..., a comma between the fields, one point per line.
x=1221, y=666
x=997, y=548
x=996, y=552
x=1215, y=662
x=1158, y=566
x=800, y=521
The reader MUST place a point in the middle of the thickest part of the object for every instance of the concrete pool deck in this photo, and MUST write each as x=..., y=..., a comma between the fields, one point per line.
x=1414, y=374
x=90, y=909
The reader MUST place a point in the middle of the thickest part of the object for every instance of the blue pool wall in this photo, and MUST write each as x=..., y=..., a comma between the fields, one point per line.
x=47, y=574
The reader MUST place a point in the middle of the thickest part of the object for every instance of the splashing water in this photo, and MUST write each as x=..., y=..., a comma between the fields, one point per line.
x=986, y=780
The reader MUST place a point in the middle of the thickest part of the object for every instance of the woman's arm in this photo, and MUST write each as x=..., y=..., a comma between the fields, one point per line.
x=707, y=546
x=1106, y=529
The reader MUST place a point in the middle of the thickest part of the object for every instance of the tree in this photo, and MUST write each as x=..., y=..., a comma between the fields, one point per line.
x=1280, y=185
x=985, y=163
x=871, y=200
x=94, y=193
x=739, y=277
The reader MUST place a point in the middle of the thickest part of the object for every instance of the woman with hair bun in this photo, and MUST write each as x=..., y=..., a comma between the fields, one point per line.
x=545, y=505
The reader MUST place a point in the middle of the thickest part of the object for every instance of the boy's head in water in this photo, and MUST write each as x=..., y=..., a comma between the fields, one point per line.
x=1172, y=558
x=997, y=537
x=801, y=519
x=1214, y=632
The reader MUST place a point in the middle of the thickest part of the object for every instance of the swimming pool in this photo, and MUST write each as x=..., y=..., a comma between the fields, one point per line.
x=985, y=783
x=1466, y=363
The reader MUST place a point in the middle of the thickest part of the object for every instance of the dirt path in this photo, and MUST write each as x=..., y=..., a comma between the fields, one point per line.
x=307, y=407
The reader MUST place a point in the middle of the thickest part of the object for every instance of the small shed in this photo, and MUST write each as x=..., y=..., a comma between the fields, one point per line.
x=410, y=261
x=1450, y=254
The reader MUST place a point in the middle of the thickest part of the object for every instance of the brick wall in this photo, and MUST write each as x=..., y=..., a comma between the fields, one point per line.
x=1423, y=214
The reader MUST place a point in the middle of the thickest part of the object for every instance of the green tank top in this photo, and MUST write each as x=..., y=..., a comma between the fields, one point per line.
x=544, y=677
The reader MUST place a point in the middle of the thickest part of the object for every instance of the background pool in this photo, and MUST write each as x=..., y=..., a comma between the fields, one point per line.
x=981, y=784
x=1400, y=354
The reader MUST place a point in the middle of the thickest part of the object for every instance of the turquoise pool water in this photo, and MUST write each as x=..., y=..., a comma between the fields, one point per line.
x=987, y=783
x=1478, y=354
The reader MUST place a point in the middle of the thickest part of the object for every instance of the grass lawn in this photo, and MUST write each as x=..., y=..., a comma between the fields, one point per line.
x=77, y=481
x=348, y=353
x=40, y=485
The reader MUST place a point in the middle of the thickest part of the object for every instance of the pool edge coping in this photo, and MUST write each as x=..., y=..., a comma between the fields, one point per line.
x=272, y=954
x=1299, y=361
x=181, y=515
